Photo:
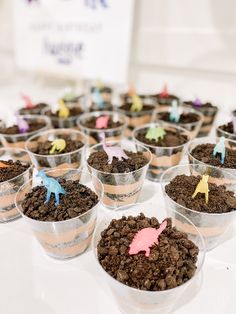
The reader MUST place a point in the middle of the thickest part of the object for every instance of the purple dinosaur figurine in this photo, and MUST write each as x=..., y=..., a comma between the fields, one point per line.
x=112, y=151
x=22, y=124
x=197, y=102
x=234, y=123
x=145, y=239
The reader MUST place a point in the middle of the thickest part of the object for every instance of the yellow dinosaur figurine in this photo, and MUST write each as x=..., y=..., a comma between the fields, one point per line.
x=202, y=187
x=59, y=145
x=64, y=112
x=137, y=104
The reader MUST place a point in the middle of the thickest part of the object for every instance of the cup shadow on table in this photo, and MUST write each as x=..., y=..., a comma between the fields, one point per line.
x=148, y=192
x=190, y=292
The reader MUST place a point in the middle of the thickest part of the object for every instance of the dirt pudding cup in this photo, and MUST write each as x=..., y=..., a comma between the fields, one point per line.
x=15, y=170
x=57, y=148
x=203, y=152
x=112, y=124
x=167, y=151
x=63, y=223
x=142, y=281
x=122, y=178
x=212, y=212
x=12, y=136
x=189, y=119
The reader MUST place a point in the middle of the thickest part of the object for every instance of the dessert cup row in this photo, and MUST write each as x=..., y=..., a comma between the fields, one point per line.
x=124, y=121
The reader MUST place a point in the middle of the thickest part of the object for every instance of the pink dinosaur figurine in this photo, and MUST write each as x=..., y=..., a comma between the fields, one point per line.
x=28, y=103
x=112, y=151
x=102, y=122
x=164, y=93
x=145, y=239
x=22, y=124
x=234, y=123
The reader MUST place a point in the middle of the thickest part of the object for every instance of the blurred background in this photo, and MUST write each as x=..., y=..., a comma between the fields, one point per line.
x=189, y=45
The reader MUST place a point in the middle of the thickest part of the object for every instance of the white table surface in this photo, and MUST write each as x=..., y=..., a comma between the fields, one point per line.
x=32, y=283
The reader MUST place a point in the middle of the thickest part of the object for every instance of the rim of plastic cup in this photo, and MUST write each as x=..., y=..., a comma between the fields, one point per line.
x=186, y=208
x=69, y=130
x=122, y=210
x=184, y=108
x=67, y=220
x=206, y=140
x=214, y=108
x=218, y=129
x=70, y=118
x=136, y=113
x=162, y=124
x=30, y=117
x=124, y=173
x=5, y=149
x=97, y=114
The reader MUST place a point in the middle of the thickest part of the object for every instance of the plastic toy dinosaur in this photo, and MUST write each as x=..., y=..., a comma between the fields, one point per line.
x=145, y=239
x=102, y=122
x=97, y=98
x=68, y=95
x=155, y=133
x=2, y=165
x=28, y=102
x=164, y=93
x=112, y=151
x=197, y=102
x=52, y=186
x=220, y=149
x=202, y=187
x=174, y=113
x=57, y=145
x=137, y=104
x=64, y=112
x=22, y=124
x=234, y=123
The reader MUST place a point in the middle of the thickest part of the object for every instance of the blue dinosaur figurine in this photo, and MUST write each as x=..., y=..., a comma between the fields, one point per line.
x=174, y=113
x=220, y=149
x=97, y=98
x=52, y=186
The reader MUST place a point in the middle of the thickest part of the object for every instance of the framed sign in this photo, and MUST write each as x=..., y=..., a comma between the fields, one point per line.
x=77, y=38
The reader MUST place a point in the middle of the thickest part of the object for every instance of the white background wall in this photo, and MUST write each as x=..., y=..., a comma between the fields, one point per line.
x=188, y=44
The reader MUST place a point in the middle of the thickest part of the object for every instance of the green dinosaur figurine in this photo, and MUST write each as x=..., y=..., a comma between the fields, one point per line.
x=155, y=133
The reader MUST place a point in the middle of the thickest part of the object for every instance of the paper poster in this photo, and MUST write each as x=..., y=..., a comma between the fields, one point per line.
x=76, y=38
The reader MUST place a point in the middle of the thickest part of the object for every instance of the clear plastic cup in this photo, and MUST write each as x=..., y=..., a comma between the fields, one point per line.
x=135, y=301
x=146, y=98
x=209, y=115
x=111, y=134
x=68, y=238
x=162, y=157
x=121, y=188
x=105, y=91
x=36, y=110
x=63, y=123
x=220, y=132
x=227, y=177
x=135, y=119
x=18, y=140
x=192, y=127
x=72, y=159
x=8, y=189
x=211, y=226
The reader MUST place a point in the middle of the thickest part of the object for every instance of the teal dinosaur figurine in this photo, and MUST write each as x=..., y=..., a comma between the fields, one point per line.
x=155, y=133
x=97, y=98
x=174, y=113
x=52, y=186
x=220, y=149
